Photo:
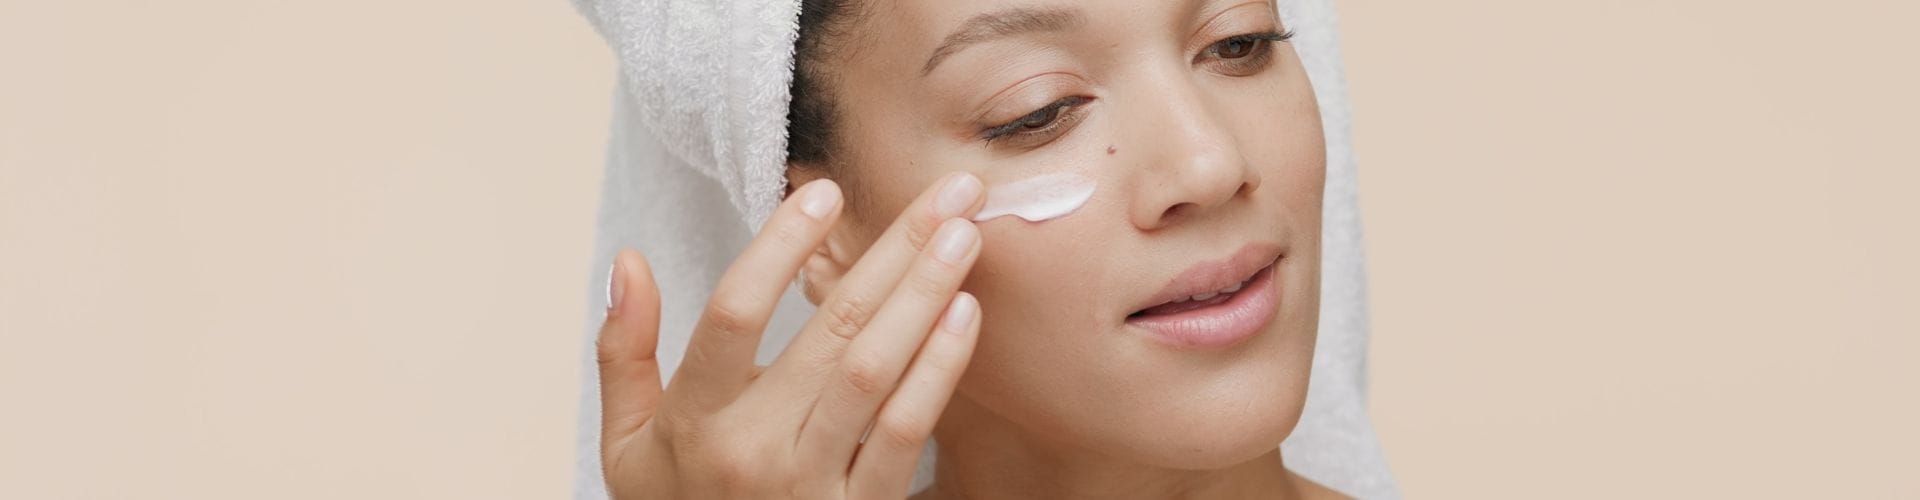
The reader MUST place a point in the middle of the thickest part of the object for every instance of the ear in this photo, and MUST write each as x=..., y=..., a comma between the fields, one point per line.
x=830, y=262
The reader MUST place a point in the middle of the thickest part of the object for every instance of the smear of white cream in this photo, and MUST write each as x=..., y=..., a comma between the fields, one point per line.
x=1038, y=198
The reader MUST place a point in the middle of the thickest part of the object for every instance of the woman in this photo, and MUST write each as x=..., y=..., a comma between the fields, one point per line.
x=1154, y=342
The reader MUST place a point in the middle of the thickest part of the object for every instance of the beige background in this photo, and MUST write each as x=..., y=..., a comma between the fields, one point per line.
x=334, y=249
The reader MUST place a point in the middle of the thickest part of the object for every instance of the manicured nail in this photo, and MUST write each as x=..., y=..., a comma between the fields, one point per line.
x=953, y=240
x=960, y=313
x=614, y=286
x=819, y=198
x=957, y=196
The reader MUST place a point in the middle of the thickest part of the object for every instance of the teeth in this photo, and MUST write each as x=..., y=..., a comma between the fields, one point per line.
x=1235, y=288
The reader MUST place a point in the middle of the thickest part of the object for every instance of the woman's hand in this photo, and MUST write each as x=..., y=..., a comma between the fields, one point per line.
x=885, y=350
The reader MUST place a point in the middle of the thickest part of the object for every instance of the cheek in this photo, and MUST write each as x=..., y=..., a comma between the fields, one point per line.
x=1054, y=358
x=1038, y=300
x=1030, y=274
x=1291, y=154
x=1281, y=131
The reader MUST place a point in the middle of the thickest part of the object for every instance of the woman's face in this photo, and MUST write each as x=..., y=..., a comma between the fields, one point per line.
x=1205, y=141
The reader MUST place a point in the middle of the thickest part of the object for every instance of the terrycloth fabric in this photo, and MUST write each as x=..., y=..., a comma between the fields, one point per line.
x=714, y=76
x=694, y=165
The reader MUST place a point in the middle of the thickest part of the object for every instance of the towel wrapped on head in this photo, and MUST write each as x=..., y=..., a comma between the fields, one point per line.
x=696, y=163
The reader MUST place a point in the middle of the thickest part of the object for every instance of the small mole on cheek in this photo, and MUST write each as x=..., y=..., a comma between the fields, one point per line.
x=1111, y=150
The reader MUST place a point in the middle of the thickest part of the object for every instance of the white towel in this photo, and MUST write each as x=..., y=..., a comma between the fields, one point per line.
x=694, y=165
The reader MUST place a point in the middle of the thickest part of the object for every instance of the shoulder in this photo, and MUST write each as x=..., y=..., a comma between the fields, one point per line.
x=1310, y=490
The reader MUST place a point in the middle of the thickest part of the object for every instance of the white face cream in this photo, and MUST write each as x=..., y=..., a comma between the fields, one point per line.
x=1038, y=198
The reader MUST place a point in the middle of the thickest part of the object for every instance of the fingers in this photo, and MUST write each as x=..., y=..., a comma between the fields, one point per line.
x=629, y=372
x=859, y=295
x=719, y=359
x=884, y=465
x=875, y=359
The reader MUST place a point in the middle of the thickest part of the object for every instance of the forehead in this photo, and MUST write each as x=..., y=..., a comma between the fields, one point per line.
x=896, y=32
x=894, y=28
x=927, y=18
x=896, y=38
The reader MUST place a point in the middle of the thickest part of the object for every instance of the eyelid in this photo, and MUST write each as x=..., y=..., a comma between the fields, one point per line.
x=1057, y=106
x=1266, y=38
x=1232, y=20
x=1071, y=110
x=1045, y=85
x=1250, y=64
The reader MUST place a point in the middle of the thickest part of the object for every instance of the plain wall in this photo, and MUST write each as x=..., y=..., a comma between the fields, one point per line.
x=1642, y=249
x=334, y=249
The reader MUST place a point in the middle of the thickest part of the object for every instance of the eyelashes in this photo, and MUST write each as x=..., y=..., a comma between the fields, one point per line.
x=1244, y=55
x=1041, y=123
x=1237, y=56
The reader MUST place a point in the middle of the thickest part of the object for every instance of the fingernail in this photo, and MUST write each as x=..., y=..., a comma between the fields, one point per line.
x=957, y=196
x=819, y=198
x=614, y=286
x=959, y=314
x=953, y=240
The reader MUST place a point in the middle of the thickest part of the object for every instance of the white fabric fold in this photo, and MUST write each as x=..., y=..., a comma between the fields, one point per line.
x=695, y=163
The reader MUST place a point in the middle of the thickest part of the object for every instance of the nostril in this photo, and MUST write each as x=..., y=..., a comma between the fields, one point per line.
x=1177, y=210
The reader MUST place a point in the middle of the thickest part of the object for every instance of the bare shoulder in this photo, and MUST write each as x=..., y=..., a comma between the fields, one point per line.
x=1310, y=490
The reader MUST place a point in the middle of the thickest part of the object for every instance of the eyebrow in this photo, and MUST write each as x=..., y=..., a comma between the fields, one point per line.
x=1001, y=24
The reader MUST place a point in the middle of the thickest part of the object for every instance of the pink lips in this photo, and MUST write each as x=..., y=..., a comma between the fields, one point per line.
x=1221, y=320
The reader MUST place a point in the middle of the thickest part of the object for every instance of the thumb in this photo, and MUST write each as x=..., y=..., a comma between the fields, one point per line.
x=629, y=372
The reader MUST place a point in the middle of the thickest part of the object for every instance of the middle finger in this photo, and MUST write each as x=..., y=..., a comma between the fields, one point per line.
x=871, y=368
x=799, y=371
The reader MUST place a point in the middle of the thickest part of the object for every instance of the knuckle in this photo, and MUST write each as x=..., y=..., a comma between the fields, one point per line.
x=930, y=283
x=607, y=352
x=864, y=374
x=919, y=229
x=729, y=315
x=847, y=315
x=700, y=354
x=792, y=233
x=899, y=432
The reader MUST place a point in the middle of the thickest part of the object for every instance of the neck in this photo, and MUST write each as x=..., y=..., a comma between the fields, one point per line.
x=982, y=455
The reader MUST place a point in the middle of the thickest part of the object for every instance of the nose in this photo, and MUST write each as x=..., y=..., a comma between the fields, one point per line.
x=1194, y=163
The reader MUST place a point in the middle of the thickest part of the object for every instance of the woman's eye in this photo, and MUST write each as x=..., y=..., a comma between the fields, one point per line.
x=1242, y=55
x=1037, y=126
x=1235, y=48
x=1041, y=118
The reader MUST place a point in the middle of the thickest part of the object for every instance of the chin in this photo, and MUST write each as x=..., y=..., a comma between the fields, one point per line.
x=1218, y=436
x=1196, y=423
x=1239, y=412
x=1128, y=397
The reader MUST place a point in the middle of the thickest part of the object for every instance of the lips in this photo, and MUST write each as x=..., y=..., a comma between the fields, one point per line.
x=1200, y=301
x=1215, y=304
x=1211, y=282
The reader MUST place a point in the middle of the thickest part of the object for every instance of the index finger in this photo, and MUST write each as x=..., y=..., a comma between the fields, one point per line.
x=719, y=358
x=846, y=311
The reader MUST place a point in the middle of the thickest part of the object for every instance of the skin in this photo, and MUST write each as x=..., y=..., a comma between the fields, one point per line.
x=1199, y=149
